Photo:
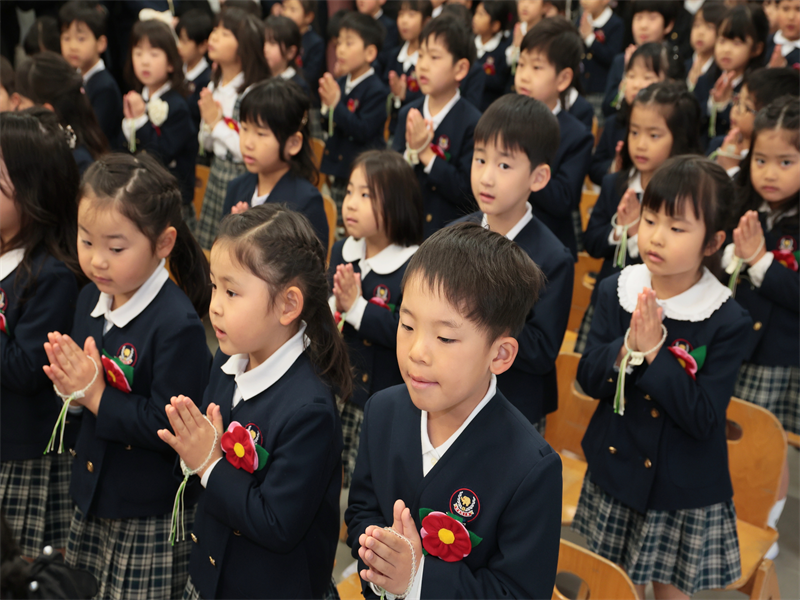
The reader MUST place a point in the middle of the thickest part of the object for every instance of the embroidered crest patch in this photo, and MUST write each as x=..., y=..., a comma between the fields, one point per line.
x=255, y=433
x=787, y=244
x=381, y=297
x=444, y=142
x=127, y=354
x=465, y=504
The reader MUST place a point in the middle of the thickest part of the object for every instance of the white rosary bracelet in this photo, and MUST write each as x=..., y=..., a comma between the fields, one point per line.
x=61, y=421
x=413, y=566
x=632, y=358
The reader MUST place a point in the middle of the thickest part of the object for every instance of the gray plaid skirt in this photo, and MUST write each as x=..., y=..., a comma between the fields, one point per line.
x=583, y=330
x=130, y=558
x=352, y=418
x=191, y=593
x=34, y=495
x=223, y=171
x=775, y=388
x=693, y=549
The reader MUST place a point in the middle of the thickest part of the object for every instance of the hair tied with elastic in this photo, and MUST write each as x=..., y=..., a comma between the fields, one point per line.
x=69, y=136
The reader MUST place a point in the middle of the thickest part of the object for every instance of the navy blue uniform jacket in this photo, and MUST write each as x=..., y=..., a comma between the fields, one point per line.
x=446, y=190
x=390, y=43
x=122, y=469
x=412, y=86
x=497, y=74
x=501, y=459
x=295, y=192
x=792, y=59
x=554, y=204
x=669, y=450
x=598, y=57
x=472, y=85
x=106, y=101
x=28, y=405
x=196, y=85
x=612, y=83
x=582, y=110
x=606, y=149
x=313, y=62
x=272, y=533
x=359, y=120
x=531, y=383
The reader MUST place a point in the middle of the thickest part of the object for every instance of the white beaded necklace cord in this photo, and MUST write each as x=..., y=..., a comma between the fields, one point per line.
x=61, y=421
x=632, y=358
x=413, y=566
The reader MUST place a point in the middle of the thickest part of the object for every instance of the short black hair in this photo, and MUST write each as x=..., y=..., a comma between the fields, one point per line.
x=421, y=6
x=248, y=6
x=764, y=85
x=368, y=29
x=462, y=261
x=7, y=76
x=713, y=11
x=197, y=24
x=454, y=35
x=43, y=34
x=335, y=22
x=745, y=21
x=556, y=38
x=459, y=11
x=93, y=14
x=668, y=9
x=500, y=11
x=521, y=123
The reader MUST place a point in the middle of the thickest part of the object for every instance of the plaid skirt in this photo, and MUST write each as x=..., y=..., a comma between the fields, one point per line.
x=34, y=495
x=775, y=388
x=190, y=217
x=130, y=558
x=223, y=171
x=191, y=593
x=583, y=330
x=352, y=418
x=693, y=549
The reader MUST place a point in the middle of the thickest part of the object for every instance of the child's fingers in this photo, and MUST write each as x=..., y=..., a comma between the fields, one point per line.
x=177, y=423
x=215, y=416
x=194, y=414
x=410, y=528
x=397, y=514
x=166, y=436
x=378, y=561
x=385, y=542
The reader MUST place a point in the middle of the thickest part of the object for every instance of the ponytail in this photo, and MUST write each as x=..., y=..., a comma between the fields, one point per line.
x=189, y=266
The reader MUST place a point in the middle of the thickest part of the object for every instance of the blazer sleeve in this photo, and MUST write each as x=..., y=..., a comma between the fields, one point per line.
x=107, y=106
x=595, y=238
x=364, y=124
x=380, y=325
x=453, y=178
x=169, y=140
x=314, y=210
x=231, y=194
x=399, y=140
x=562, y=194
x=781, y=286
x=314, y=63
x=615, y=75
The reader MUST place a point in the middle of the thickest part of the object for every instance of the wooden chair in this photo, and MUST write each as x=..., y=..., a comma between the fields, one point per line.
x=318, y=147
x=600, y=579
x=200, y=183
x=330, y=213
x=350, y=588
x=793, y=439
x=588, y=200
x=580, y=293
x=596, y=132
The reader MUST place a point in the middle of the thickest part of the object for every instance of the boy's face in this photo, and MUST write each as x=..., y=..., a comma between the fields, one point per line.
x=446, y=361
x=437, y=73
x=409, y=24
x=79, y=46
x=743, y=112
x=704, y=35
x=294, y=10
x=536, y=77
x=351, y=54
x=594, y=7
x=649, y=26
x=191, y=52
x=530, y=11
x=789, y=19
x=369, y=7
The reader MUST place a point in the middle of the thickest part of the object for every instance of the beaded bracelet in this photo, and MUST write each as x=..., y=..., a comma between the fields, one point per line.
x=622, y=250
x=61, y=421
x=413, y=567
x=632, y=358
x=736, y=266
x=413, y=155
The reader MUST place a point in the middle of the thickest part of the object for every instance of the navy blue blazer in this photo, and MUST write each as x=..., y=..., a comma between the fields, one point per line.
x=582, y=110
x=122, y=469
x=613, y=80
x=301, y=81
x=390, y=44
x=497, y=74
x=295, y=192
x=606, y=149
x=28, y=405
x=359, y=120
x=373, y=348
x=272, y=533
x=669, y=450
x=714, y=144
x=174, y=143
x=554, y=204
x=446, y=191
x=792, y=59
x=499, y=461
x=412, y=86
x=82, y=158
x=598, y=57
x=702, y=91
x=312, y=60
x=196, y=86
x=106, y=101
x=472, y=85
x=531, y=383
x=774, y=306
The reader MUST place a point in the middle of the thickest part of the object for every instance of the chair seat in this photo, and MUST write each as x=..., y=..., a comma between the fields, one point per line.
x=573, y=472
x=753, y=545
x=350, y=588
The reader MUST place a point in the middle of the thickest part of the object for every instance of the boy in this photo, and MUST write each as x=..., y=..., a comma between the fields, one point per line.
x=515, y=142
x=549, y=57
x=312, y=59
x=357, y=101
x=434, y=132
x=783, y=47
x=193, y=30
x=450, y=442
x=703, y=38
x=472, y=85
x=529, y=13
x=374, y=8
x=602, y=32
x=83, y=40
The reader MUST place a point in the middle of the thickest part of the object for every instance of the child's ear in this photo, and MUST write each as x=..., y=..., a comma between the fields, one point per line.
x=293, y=145
x=668, y=28
x=461, y=69
x=504, y=351
x=757, y=49
x=202, y=47
x=564, y=79
x=102, y=44
x=290, y=305
x=291, y=53
x=540, y=177
x=715, y=243
x=166, y=242
x=371, y=53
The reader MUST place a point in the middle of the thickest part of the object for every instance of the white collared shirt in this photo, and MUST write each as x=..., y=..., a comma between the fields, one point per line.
x=635, y=184
x=288, y=73
x=557, y=109
x=10, y=261
x=437, y=10
x=786, y=45
x=572, y=97
x=489, y=46
x=520, y=225
x=692, y=6
x=120, y=317
x=350, y=84
x=406, y=59
x=437, y=120
x=131, y=125
x=222, y=139
x=597, y=24
x=378, y=14
x=194, y=73
x=257, y=200
x=98, y=66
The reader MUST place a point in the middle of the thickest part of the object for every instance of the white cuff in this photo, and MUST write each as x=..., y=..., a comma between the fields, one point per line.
x=138, y=123
x=429, y=166
x=324, y=110
x=732, y=171
x=633, y=245
x=512, y=55
x=728, y=255
x=356, y=312
x=758, y=270
x=616, y=232
x=397, y=102
x=589, y=40
x=207, y=474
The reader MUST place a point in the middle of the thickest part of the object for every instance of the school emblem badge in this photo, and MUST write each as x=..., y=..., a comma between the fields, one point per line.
x=127, y=354
x=444, y=142
x=465, y=504
x=787, y=244
x=411, y=82
x=255, y=433
x=381, y=297
x=488, y=66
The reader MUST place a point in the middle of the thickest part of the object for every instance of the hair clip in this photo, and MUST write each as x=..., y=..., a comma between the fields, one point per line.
x=69, y=136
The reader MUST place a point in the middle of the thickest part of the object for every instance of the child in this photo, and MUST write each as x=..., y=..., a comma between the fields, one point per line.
x=783, y=47
x=490, y=25
x=7, y=86
x=193, y=30
x=547, y=65
x=355, y=105
x=312, y=58
x=602, y=32
x=374, y=9
x=44, y=34
x=570, y=54
x=515, y=141
x=765, y=238
x=450, y=443
x=434, y=132
x=657, y=496
x=382, y=213
x=83, y=40
x=275, y=145
x=705, y=26
x=236, y=44
x=38, y=289
x=152, y=344
x=471, y=86
x=664, y=122
x=157, y=119
x=283, y=46
x=529, y=13
x=280, y=362
x=401, y=75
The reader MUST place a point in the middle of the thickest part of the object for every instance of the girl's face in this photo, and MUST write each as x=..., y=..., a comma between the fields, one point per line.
x=743, y=113
x=223, y=47
x=359, y=217
x=775, y=166
x=275, y=59
x=649, y=138
x=788, y=18
x=9, y=211
x=482, y=22
x=530, y=11
x=409, y=24
x=260, y=148
x=637, y=77
x=734, y=54
x=703, y=36
x=150, y=65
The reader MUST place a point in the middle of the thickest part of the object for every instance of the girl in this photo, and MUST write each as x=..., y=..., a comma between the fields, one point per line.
x=268, y=521
x=157, y=118
x=664, y=122
x=739, y=48
x=491, y=24
x=144, y=333
x=48, y=80
x=703, y=39
x=236, y=45
x=274, y=141
x=401, y=68
x=283, y=45
x=765, y=237
x=382, y=212
x=38, y=289
x=657, y=497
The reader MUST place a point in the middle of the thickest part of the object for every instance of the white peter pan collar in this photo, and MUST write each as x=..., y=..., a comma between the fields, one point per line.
x=288, y=73
x=350, y=83
x=406, y=59
x=157, y=94
x=697, y=303
x=10, y=261
x=786, y=45
x=384, y=262
x=126, y=313
x=489, y=46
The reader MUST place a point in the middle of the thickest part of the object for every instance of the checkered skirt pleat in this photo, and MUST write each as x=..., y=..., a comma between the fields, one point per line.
x=583, y=330
x=191, y=593
x=352, y=418
x=775, y=388
x=693, y=549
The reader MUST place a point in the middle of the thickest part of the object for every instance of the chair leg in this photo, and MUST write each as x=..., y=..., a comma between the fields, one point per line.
x=763, y=585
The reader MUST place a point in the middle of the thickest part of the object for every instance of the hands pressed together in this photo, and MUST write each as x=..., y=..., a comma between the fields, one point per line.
x=346, y=287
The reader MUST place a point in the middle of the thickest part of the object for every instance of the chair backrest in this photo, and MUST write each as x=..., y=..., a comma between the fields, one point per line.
x=200, y=182
x=588, y=200
x=756, y=453
x=581, y=295
x=566, y=426
x=600, y=579
x=330, y=213
x=318, y=148
x=596, y=130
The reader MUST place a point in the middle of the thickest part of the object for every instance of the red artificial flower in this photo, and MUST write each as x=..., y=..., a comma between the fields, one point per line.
x=786, y=258
x=380, y=302
x=686, y=360
x=411, y=83
x=445, y=537
x=3, y=326
x=489, y=68
x=115, y=376
x=600, y=36
x=352, y=105
x=231, y=124
x=239, y=447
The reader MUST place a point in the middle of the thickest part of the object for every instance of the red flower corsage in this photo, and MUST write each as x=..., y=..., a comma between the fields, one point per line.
x=231, y=124
x=692, y=361
x=600, y=36
x=411, y=83
x=118, y=375
x=3, y=325
x=445, y=536
x=241, y=450
x=489, y=68
x=786, y=258
x=352, y=105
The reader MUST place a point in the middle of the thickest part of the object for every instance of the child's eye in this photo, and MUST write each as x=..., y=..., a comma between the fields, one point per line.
x=116, y=250
x=213, y=285
x=480, y=161
x=406, y=327
x=446, y=340
x=760, y=162
x=504, y=166
x=677, y=230
x=787, y=163
x=648, y=221
x=231, y=293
